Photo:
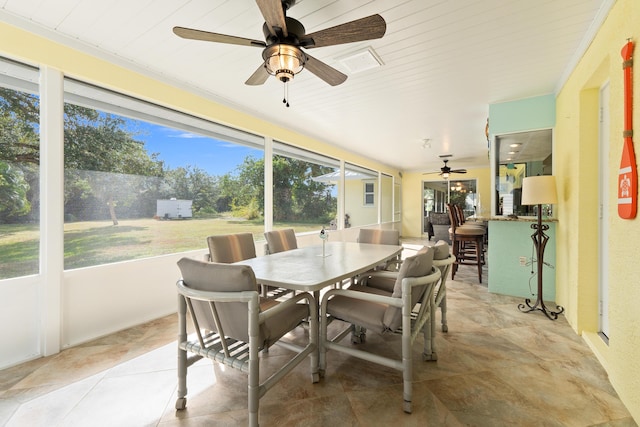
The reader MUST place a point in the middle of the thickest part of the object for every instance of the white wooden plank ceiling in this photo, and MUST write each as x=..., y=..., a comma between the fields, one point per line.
x=445, y=61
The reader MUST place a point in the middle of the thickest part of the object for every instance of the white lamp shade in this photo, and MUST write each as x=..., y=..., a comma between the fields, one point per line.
x=539, y=190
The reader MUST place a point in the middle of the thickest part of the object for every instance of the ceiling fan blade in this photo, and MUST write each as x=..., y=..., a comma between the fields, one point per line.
x=273, y=14
x=371, y=27
x=190, y=33
x=324, y=71
x=458, y=171
x=258, y=77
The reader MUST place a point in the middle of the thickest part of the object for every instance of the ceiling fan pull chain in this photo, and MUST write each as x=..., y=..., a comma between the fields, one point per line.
x=284, y=91
x=286, y=94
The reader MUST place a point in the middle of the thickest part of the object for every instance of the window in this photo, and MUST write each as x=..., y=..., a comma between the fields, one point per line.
x=369, y=194
x=142, y=180
x=19, y=170
x=304, y=189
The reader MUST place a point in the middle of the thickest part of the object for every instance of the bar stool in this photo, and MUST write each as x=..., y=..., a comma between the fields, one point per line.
x=467, y=243
x=462, y=222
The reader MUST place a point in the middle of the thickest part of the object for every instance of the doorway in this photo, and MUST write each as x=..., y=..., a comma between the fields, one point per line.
x=437, y=193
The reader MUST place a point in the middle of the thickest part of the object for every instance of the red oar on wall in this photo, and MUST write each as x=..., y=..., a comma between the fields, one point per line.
x=628, y=175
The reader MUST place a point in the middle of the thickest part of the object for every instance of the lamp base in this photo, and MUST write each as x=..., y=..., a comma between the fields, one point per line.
x=540, y=242
x=539, y=305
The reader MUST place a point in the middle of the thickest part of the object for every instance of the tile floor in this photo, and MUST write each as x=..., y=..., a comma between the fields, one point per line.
x=496, y=367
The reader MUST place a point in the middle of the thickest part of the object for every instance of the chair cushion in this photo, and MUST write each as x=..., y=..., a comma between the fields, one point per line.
x=281, y=240
x=415, y=266
x=231, y=248
x=282, y=323
x=423, y=250
x=469, y=231
x=384, y=280
x=381, y=237
x=198, y=275
x=388, y=281
x=441, y=250
x=358, y=312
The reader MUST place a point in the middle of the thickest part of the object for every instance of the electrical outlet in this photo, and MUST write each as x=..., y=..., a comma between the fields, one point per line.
x=523, y=261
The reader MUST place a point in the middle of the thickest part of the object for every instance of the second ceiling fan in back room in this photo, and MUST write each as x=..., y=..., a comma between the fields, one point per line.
x=446, y=171
x=285, y=38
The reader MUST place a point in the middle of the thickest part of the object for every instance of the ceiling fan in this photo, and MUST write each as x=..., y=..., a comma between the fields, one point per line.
x=445, y=170
x=284, y=39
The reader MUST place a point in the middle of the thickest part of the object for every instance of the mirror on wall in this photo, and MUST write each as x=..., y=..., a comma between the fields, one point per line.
x=519, y=155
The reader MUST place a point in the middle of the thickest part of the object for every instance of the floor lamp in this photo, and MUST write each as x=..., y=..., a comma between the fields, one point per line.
x=539, y=190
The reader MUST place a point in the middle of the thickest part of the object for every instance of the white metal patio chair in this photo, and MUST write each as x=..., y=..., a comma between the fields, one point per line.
x=231, y=328
x=368, y=308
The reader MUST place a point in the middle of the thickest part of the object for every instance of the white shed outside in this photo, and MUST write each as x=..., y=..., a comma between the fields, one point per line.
x=174, y=209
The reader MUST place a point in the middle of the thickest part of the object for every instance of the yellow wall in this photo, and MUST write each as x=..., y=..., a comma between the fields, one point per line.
x=359, y=214
x=32, y=49
x=412, y=208
x=576, y=166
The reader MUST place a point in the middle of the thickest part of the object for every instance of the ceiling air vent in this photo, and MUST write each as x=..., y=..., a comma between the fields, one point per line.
x=361, y=60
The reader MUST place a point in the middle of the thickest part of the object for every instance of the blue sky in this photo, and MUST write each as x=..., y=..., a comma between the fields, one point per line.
x=178, y=148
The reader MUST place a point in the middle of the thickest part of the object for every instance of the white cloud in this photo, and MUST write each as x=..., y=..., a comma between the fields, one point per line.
x=186, y=135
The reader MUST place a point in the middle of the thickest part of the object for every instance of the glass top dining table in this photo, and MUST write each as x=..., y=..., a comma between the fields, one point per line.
x=306, y=269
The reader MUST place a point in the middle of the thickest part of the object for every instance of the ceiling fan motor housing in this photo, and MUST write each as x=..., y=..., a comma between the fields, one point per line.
x=283, y=58
x=295, y=31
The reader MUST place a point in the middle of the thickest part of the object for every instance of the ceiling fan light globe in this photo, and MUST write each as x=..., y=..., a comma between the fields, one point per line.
x=284, y=61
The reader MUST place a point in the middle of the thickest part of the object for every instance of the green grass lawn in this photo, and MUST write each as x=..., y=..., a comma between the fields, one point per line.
x=99, y=242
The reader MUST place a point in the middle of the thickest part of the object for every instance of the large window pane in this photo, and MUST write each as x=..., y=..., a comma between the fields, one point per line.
x=304, y=189
x=141, y=180
x=19, y=170
x=361, y=196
